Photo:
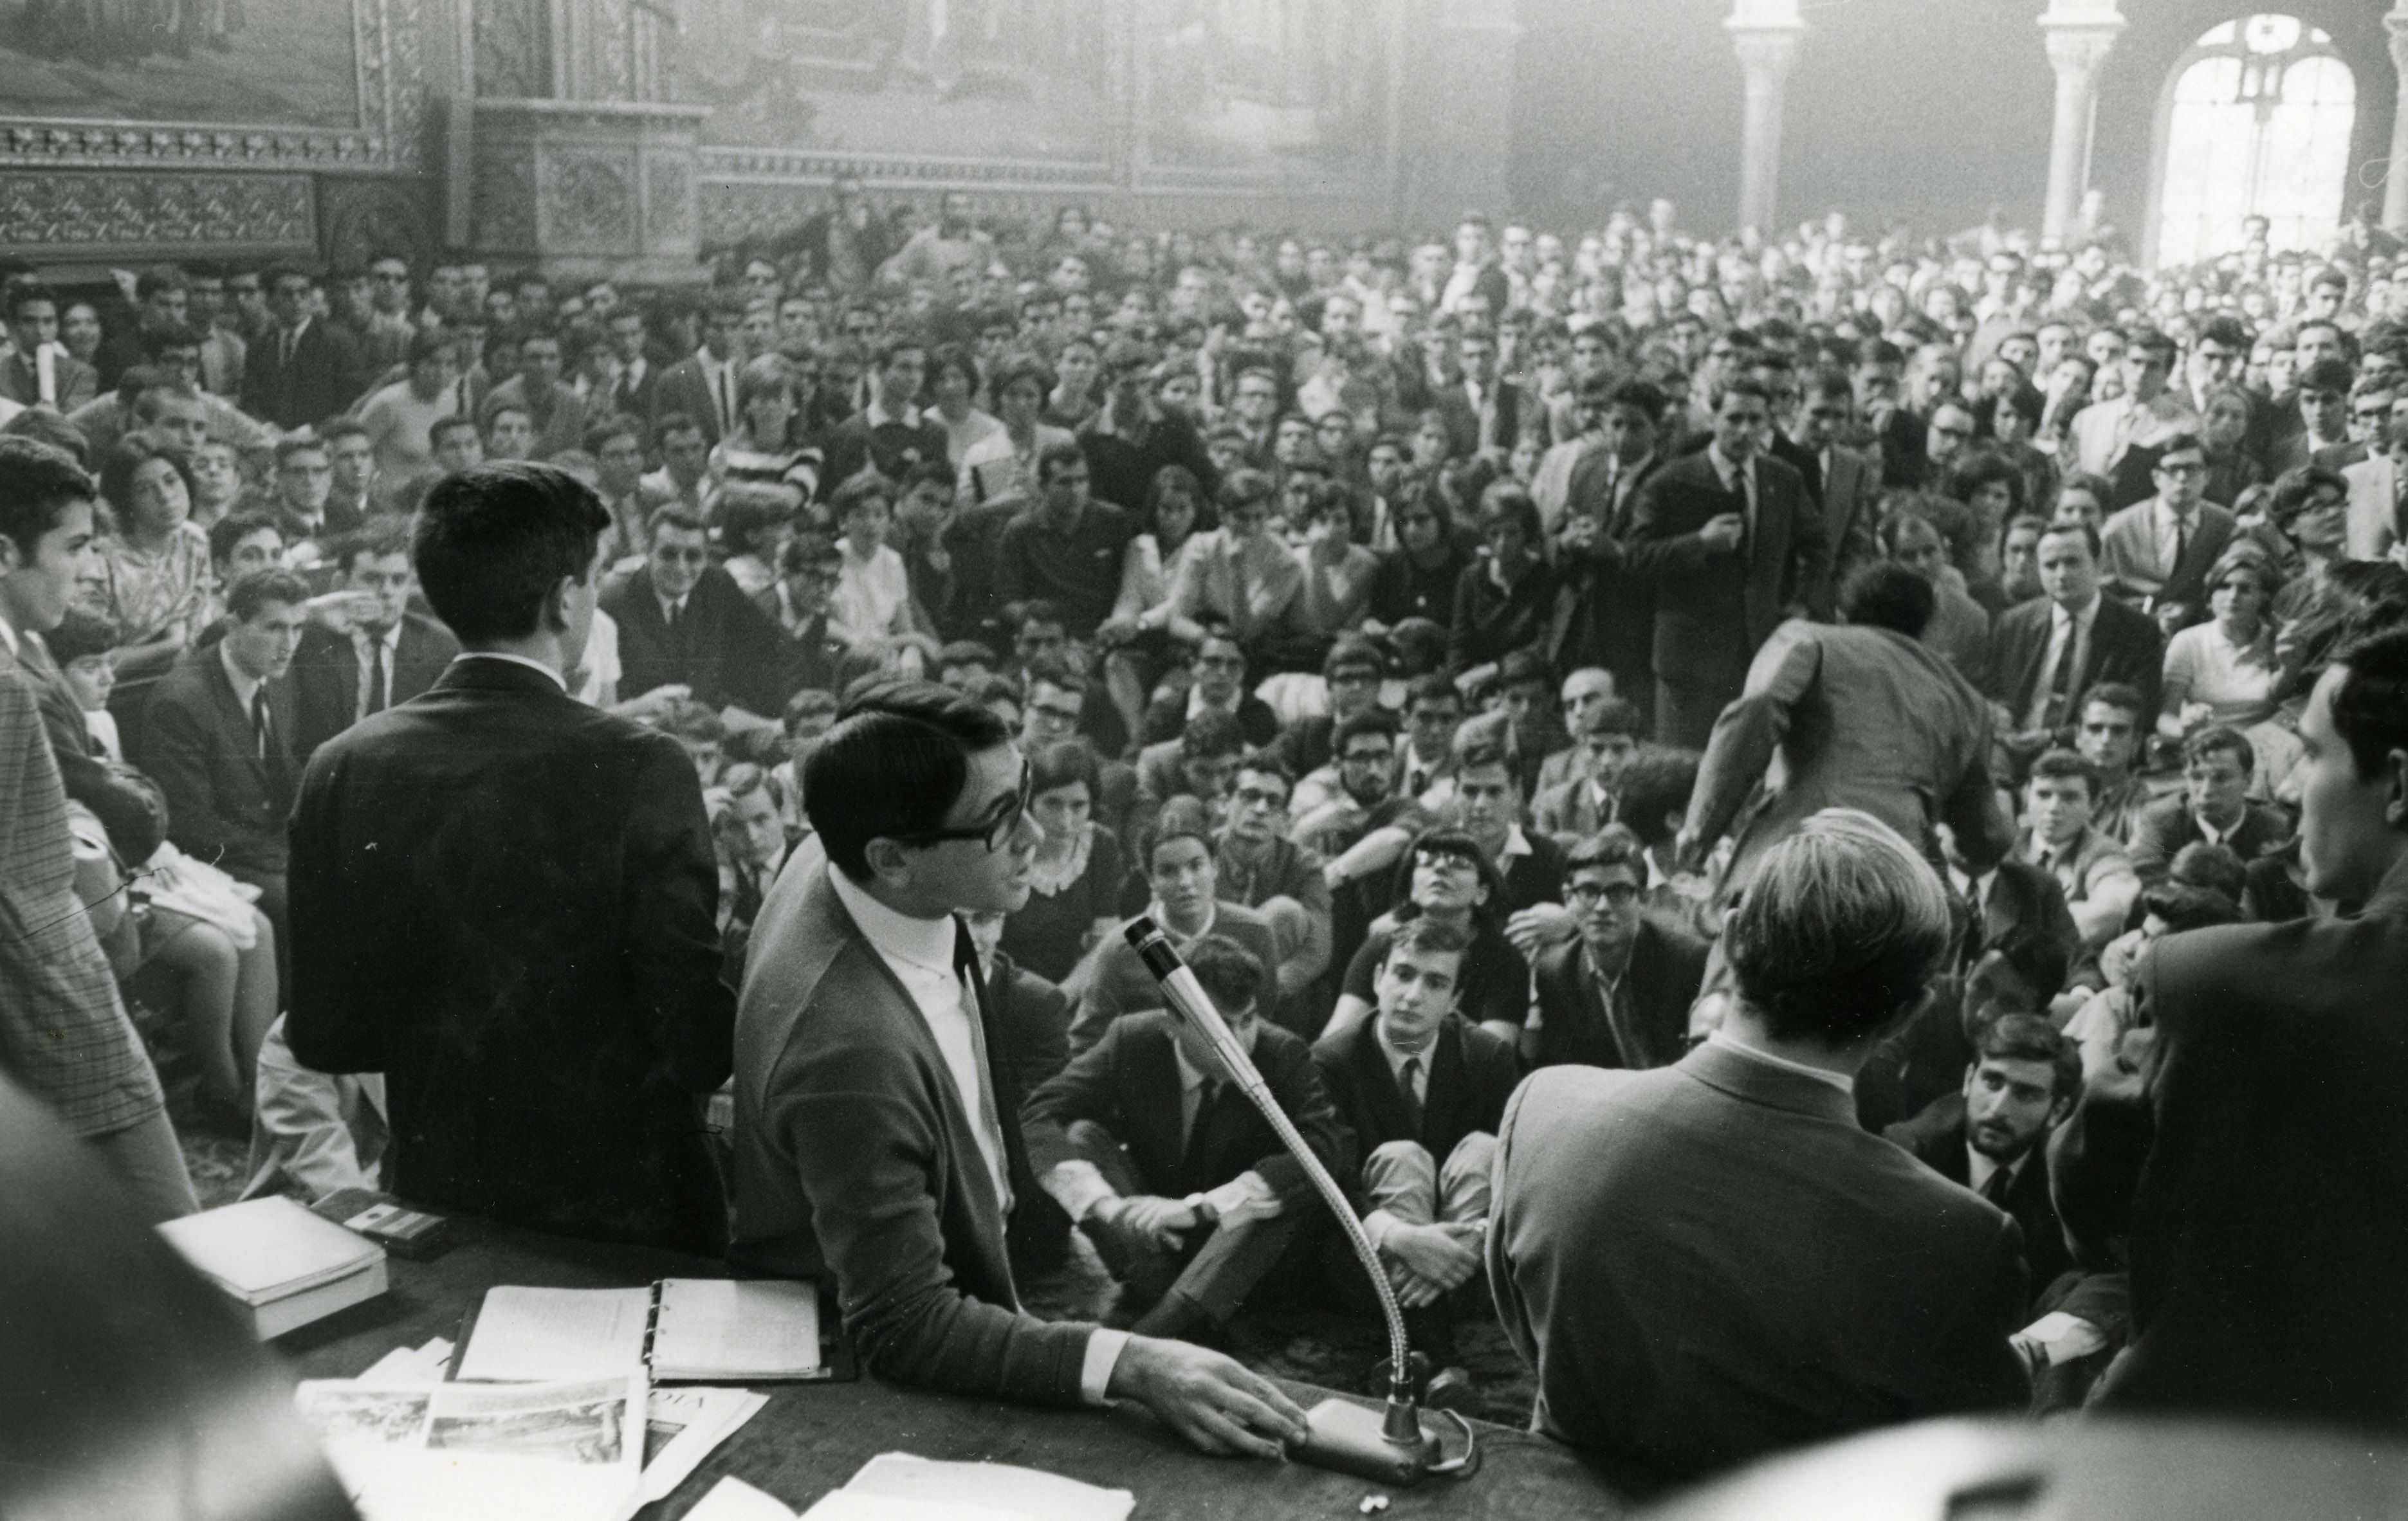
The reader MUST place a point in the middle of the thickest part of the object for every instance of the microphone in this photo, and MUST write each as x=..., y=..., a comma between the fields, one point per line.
x=1391, y=1445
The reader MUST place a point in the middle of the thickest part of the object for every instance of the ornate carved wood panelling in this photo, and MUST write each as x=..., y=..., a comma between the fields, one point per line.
x=362, y=216
x=95, y=213
x=503, y=203
x=668, y=201
x=589, y=202
x=513, y=48
x=389, y=65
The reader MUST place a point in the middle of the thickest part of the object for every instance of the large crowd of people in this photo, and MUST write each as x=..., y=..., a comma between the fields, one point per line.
x=1484, y=655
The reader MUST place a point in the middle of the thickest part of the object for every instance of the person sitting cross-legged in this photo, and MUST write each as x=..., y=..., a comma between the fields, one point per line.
x=1148, y=1145
x=1421, y=1092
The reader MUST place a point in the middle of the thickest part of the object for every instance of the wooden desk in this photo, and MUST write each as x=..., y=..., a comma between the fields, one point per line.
x=812, y=1437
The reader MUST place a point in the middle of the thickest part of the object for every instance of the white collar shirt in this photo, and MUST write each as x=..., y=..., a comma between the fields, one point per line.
x=1729, y=1042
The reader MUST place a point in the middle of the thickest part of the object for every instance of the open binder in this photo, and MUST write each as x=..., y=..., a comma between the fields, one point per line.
x=703, y=1330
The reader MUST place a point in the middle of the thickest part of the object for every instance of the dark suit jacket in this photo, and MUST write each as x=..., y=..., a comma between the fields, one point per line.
x=1119, y=984
x=128, y=804
x=1471, y=1075
x=1936, y=1138
x=1712, y=610
x=225, y=804
x=2166, y=826
x=723, y=646
x=1036, y=1015
x=75, y=382
x=1128, y=1084
x=2271, y=1216
x=1497, y=422
x=1612, y=608
x=2124, y=646
x=327, y=676
x=682, y=388
x=506, y=901
x=1710, y=1262
x=1667, y=966
x=855, y=1158
x=324, y=378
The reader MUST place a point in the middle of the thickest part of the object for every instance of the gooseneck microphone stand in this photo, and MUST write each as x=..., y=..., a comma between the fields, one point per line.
x=1390, y=1445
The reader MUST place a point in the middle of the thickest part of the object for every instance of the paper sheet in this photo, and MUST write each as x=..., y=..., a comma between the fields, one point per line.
x=466, y=1452
x=557, y=1333
x=989, y=1489
x=736, y=1331
x=683, y=1426
x=410, y=1365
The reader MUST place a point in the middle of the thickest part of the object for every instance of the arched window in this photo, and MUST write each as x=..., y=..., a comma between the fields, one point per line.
x=2256, y=121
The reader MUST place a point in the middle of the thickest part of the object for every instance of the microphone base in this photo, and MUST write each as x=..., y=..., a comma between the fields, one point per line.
x=1368, y=1444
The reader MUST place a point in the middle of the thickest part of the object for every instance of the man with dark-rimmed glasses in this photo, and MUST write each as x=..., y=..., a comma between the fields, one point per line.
x=876, y=1102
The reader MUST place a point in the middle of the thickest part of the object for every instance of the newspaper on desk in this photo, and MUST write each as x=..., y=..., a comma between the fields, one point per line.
x=431, y=1451
x=682, y=1426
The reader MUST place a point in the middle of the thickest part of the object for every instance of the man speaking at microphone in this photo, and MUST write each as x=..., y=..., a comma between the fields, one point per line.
x=877, y=1110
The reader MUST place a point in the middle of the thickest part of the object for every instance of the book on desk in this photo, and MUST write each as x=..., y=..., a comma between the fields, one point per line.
x=281, y=1263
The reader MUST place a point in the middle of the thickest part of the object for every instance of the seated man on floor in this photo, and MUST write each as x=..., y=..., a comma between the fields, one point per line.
x=1619, y=995
x=1421, y=1093
x=1590, y=797
x=1183, y=1186
x=1181, y=867
x=1993, y=1136
x=2094, y=871
x=2214, y=805
x=320, y=1132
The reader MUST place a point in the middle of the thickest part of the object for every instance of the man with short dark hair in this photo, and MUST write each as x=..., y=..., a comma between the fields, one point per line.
x=63, y=1031
x=1187, y=1193
x=1421, y=1092
x=506, y=902
x=2046, y=652
x=305, y=486
x=555, y=409
x=2142, y=416
x=889, y=432
x=877, y=1139
x=369, y=651
x=1068, y=548
x=1828, y=1282
x=1258, y=866
x=1586, y=802
x=2213, y=806
x=301, y=371
x=2266, y=1237
x=2109, y=734
x=1618, y=995
x=218, y=737
x=2157, y=552
x=1993, y=1136
x=684, y=622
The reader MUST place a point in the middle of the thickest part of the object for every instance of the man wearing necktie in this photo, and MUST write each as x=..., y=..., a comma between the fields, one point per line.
x=1614, y=615
x=1186, y=1191
x=1732, y=543
x=383, y=654
x=1993, y=1136
x=2157, y=553
x=218, y=738
x=877, y=1110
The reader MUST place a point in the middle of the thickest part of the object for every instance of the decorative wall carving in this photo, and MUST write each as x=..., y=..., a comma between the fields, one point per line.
x=513, y=48
x=389, y=60
x=589, y=202
x=668, y=201
x=95, y=213
x=503, y=203
x=363, y=216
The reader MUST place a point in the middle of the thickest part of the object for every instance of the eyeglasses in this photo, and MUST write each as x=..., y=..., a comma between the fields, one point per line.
x=1262, y=796
x=991, y=834
x=682, y=556
x=1059, y=715
x=1617, y=894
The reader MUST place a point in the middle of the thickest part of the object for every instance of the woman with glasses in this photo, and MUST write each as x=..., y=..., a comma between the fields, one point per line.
x=1445, y=877
x=1076, y=875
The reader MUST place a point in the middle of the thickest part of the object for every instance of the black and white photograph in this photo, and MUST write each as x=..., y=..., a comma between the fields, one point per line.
x=1518, y=759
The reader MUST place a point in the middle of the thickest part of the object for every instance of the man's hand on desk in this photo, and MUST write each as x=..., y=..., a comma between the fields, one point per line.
x=1213, y=1402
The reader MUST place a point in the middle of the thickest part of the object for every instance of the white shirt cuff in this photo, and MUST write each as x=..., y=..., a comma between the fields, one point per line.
x=1078, y=1186
x=1104, y=1349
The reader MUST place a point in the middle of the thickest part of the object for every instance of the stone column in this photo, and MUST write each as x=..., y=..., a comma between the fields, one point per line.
x=2079, y=33
x=1766, y=34
x=2395, y=186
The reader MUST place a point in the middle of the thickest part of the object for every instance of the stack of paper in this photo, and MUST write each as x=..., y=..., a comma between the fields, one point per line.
x=736, y=1331
x=568, y=1451
x=897, y=1487
x=287, y=1266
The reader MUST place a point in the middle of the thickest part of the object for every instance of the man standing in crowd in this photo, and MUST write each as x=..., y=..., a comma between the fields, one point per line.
x=877, y=1137
x=507, y=902
x=1731, y=544
x=386, y=653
